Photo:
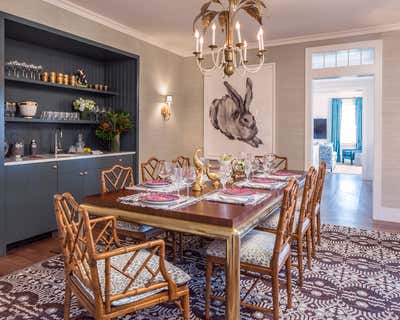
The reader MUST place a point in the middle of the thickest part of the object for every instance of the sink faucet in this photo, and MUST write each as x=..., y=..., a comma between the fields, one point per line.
x=58, y=142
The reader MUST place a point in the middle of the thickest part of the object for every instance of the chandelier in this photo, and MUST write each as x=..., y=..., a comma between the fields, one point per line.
x=233, y=53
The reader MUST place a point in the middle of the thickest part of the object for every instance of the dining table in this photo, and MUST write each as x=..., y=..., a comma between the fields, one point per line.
x=225, y=221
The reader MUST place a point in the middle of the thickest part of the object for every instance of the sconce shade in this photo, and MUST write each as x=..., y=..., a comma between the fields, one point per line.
x=166, y=108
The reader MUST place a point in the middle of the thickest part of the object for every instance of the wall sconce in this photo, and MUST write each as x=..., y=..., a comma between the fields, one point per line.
x=166, y=108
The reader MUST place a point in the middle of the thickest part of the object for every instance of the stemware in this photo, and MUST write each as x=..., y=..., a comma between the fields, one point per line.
x=178, y=178
x=248, y=167
x=225, y=174
x=189, y=176
x=165, y=170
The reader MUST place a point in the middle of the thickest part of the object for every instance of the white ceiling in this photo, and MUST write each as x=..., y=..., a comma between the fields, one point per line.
x=168, y=23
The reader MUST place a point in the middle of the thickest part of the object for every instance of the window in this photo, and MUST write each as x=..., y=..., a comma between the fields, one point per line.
x=348, y=130
x=343, y=58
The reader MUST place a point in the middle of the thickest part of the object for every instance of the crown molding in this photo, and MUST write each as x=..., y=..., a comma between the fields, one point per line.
x=329, y=35
x=93, y=16
x=112, y=24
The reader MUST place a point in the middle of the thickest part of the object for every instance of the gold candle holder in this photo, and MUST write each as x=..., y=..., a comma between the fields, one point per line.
x=214, y=177
x=198, y=184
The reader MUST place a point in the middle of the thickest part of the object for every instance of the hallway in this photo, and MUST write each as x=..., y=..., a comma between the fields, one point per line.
x=347, y=201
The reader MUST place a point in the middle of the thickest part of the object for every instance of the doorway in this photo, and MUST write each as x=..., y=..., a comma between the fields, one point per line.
x=342, y=118
x=349, y=63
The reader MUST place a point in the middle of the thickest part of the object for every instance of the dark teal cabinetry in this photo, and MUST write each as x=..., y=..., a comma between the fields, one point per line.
x=29, y=190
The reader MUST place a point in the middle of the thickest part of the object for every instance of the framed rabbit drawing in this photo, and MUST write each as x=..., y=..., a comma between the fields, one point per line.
x=239, y=113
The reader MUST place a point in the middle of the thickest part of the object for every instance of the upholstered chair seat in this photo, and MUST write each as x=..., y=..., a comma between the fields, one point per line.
x=256, y=248
x=131, y=226
x=272, y=221
x=118, y=280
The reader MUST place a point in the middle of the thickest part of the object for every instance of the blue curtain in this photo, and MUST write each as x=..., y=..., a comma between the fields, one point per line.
x=335, y=127
x=359, y=102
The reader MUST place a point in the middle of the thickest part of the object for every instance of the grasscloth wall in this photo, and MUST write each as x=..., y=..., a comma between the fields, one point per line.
x=161, y=73
x=164, y=73
x=290, y=100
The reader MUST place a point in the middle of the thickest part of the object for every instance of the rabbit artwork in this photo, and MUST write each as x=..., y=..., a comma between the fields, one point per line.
x=231, y=115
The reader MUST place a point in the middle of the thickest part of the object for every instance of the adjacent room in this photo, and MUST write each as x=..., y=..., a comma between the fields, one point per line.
x=199, y=159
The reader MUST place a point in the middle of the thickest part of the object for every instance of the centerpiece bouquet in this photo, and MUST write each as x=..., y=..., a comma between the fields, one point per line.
x=113, y=125
x=84, y=106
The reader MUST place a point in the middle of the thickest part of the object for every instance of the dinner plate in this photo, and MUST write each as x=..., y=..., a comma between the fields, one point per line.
x=159, y=198
x=158, y=183
x=238, y=192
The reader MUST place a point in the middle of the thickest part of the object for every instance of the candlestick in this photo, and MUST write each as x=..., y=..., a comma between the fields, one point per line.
x=245, y=50
x=214, y=27
x=261, y=38
x=201, y=46
x=239, y=36
x=196, y=36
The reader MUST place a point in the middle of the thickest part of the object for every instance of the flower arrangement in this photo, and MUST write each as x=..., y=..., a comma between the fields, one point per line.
x=113, y=125
x=83, y=105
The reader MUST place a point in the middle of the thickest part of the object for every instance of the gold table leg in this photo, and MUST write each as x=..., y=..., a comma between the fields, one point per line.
x=233, y=278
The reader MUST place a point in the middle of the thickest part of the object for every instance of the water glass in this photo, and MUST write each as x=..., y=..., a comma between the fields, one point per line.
x=248, y=167
x=189, y=176
x=178, y=178
x=225, y=174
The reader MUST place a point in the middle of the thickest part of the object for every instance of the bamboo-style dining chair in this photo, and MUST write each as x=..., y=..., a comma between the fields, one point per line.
x=150, y=169
x=261, y=253
x=110, y=280
x=279, y=163
x=302, y=223
x=316, y=210
x=117, y=178
x=182, y=161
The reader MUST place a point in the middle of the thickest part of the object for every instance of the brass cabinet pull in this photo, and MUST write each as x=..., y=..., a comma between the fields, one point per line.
x=55, y=167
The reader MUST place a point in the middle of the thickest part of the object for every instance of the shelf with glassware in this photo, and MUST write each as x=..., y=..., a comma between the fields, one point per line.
x=44, y=121
x=23, y=73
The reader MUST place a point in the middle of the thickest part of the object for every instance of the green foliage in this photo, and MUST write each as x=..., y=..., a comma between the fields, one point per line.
x=114, y=123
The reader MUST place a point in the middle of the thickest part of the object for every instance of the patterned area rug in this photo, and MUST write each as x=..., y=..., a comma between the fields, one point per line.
x=355, y=276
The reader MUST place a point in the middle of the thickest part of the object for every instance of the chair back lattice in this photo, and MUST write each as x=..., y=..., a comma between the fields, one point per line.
x=150, y=169
x=320, y=183
x=279, y=162
x=182, y=161
x=116, y=178
x=91, y=248
x=286, y=218
x=308, y=197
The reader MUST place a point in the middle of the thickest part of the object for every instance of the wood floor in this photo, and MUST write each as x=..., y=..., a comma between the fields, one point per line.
x=347, y=201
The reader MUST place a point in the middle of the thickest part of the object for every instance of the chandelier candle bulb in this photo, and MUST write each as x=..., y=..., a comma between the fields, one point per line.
x=201, y=46
x=214, y=27
x=196, y=36
x=239, y=36
x=245, y=51
x=261, y=39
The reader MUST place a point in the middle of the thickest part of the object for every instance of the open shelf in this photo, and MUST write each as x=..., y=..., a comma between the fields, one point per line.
x=34, y=120
x=56, y=85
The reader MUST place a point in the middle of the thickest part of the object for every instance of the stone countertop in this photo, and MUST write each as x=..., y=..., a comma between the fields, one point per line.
x=53, y=158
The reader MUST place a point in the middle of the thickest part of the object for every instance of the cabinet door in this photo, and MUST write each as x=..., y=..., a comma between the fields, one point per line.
x=29, y=200
x=92, y=184
x=71, y=178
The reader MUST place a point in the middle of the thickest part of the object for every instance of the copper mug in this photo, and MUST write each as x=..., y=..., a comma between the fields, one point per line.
x=72, y=80
x=52, y=77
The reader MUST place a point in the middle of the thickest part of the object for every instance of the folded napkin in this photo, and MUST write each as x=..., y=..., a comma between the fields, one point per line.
x=245, y=201
x=261, y=185
x=134, y=200
x=278, y=176
x=165, y=189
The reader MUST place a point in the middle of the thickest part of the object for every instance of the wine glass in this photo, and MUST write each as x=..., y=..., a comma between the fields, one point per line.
x=225, y=174
x=248, y=167
x=189, y=176
x=177, y=178
x=165, y=170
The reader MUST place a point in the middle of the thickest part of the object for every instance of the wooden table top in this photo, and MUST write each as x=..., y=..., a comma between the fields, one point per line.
x=207, y=212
